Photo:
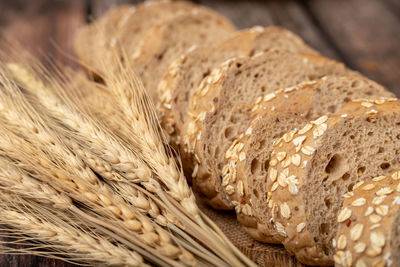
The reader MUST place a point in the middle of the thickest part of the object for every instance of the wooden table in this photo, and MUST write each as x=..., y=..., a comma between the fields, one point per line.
x=365, y=34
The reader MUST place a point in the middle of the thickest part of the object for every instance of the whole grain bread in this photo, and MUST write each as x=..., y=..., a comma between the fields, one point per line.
x=220, y=109
x=167, y=41
x=277, y=113
x=186, y=73
x=122, y=27
x=302, y=200
x=369, y=224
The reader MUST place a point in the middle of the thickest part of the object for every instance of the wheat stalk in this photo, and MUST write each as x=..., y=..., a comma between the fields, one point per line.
x=81, y=183
x=60, y=233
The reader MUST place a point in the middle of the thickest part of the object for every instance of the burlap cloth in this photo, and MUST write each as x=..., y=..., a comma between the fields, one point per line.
x=262, y=254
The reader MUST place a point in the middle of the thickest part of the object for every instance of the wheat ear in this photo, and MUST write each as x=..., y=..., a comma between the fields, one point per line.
x=104, y=201
x=59, y=232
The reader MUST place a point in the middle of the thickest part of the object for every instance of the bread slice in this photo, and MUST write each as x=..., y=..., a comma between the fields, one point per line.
x=303, y=199
x=169, y=40
x=186, y=73
x=122, y=27
x=220, y=109
x=369, y=224
x=278, y=113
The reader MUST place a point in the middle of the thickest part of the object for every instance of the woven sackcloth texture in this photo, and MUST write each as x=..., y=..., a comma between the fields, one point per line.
x=262, y=254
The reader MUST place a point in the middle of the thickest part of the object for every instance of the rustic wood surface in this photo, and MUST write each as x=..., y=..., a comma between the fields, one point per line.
x=365, y=34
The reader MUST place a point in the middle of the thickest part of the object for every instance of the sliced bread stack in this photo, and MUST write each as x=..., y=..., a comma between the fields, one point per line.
x=186, y=73
x=369, y=224
x=122, y=26
x=220, y=108
x=277, y=113
x=315, y=166
x=151, y=34
x=167, y=41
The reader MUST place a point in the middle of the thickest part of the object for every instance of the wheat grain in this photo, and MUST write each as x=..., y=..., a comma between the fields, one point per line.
x=14, y=179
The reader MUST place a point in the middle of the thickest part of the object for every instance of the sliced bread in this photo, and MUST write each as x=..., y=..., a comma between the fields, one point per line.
x=369, y=226
x=169, y=40
x=186, y=73
x=280, y=112
x=220, y=109
x=302, y=200
x=124, y=26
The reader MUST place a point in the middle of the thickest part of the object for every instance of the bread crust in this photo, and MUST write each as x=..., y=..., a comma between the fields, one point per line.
x=284, y=190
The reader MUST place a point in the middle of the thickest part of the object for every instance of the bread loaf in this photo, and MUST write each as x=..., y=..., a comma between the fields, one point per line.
x=94, y=41
x=123, y=28
x=220, y=109
x=186, y=73
x=369, y=224
x=280, y=112
x=169, y=40
x=312, y=168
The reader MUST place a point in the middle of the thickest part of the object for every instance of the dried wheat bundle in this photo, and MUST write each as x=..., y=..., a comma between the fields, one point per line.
x=27, y=139
x=127, y=159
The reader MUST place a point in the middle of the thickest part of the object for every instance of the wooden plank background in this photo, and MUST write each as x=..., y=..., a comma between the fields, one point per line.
x=365, y=34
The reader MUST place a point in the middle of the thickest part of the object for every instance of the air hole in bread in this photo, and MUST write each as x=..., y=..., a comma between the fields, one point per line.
x=229, y=132
x=385, y=166
x=350, y=187
x=255, y=166
x=266, y=165
x=333, y=164
x=370, y=133
x=328, y=202
x=238, y=65
x=355, y=83
x=160, y=56
x=332, y=109
x=324, y=229
x=360, y=170
x=255, y=192
x=345, y=176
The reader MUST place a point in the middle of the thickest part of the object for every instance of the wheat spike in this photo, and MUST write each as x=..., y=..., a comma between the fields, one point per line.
x=68, y=240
